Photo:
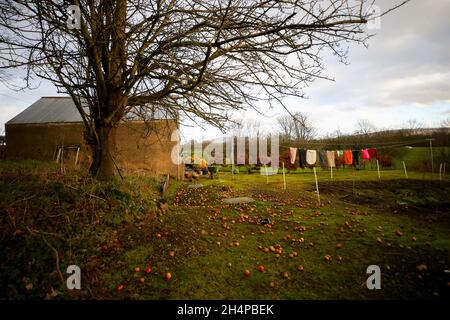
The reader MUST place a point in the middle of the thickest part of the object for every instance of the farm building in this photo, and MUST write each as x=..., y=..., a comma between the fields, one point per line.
x=52, y=129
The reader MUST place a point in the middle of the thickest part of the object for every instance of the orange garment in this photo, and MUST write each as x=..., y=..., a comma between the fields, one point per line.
x=348, y=157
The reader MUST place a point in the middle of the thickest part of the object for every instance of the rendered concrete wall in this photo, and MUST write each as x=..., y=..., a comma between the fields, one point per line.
x=144, y=147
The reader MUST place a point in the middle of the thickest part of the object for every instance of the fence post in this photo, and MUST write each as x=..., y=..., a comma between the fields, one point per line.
x=317, y=186
x=378, y=169
x=404, y=168
x=267, y=174
x=284, y=177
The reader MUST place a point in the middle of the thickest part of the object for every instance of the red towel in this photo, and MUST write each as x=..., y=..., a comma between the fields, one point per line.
x=373, y=153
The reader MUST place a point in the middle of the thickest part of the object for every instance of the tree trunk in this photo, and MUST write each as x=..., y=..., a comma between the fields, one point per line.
x=102, y=167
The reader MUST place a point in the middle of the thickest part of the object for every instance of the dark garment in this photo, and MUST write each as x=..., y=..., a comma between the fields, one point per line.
x=323, y=158
x=355, y=158
x=373, y=153
x=302, y=158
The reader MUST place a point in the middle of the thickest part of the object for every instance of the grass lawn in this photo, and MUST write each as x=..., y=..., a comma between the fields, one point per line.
x=49, y=221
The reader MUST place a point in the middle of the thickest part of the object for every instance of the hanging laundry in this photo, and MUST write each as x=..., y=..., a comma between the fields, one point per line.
x=311, y=157
x=330, y=159
x=293, y=154
x=365, y=154
x=373, y=153
x=323, y=158
x=348, y=157
x=340, y=153
x=355, y=158
x=302, y=158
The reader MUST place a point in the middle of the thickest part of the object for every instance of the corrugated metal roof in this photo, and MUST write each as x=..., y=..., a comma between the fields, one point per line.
x=48, y=110
x=62, y=109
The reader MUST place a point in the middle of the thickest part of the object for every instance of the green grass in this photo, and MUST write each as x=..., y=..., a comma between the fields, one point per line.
x=111, y=234
x=419, y=157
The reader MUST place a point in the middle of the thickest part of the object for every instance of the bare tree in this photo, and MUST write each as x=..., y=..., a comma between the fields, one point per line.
x=414, y=126
x=248, y=128
x=297, y=127
x=194, y=59
x=365, y=127
x=446, y=123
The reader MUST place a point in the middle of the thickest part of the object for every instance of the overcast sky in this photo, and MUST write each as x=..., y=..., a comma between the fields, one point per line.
x=404, y=74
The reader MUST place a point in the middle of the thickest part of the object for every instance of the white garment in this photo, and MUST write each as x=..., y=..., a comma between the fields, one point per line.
x=330, y=159
x=311, y=157
x=293, y=154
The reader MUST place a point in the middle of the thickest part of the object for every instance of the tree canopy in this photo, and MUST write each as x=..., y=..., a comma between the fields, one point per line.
x=192, y=58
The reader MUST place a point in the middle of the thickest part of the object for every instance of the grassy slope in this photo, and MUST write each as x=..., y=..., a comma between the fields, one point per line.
x=109, y=239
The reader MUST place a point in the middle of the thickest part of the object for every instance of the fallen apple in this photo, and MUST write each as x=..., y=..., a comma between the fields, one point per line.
x=247, y=273
x=148, y=270
x=171, y=253
x=141, y=280
x=421, y=267
x=286, y=275
x=137, y=269
x=167, y=276
x=261, y=269
x=300, y=268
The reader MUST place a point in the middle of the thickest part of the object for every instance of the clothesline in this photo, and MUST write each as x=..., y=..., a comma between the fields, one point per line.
x=395, y=145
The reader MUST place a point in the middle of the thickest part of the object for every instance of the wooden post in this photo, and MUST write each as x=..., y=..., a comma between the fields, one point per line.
x=62, y=159
x=58, y=155
x=331, y=172
x=284, y=177
x=317, y=186
x=431, y=152
x=440, y=171
x=378, y=169
x=404, y=168
x=443, y=173
x=165, y=187
x=76, y=157
x=178, y=166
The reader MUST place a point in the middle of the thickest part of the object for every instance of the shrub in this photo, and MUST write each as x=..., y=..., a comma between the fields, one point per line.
x=385, y=161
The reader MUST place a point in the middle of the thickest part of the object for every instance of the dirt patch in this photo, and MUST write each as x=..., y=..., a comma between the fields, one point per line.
x=423, y=199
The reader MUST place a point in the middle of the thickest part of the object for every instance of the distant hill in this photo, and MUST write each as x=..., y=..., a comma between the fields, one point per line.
x=401, y=137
